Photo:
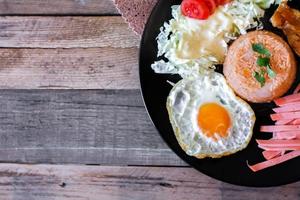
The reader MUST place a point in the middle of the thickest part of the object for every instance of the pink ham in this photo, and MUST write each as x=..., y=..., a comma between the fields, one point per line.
x=271, y=154
x=279, y=143
x=286, y=135
x=288, y=108
x=295, y=122
x=285, y=116
x=287, y=99
x=283, y=122
x=274, y=161
x=286, y=132
x=297, y=89
x=279, y=128
x=279, y=148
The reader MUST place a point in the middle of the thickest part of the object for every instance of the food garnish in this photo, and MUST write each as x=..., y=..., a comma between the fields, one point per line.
x=211, y=4
x=259, y=48
x=200, y=9
x=263, y=61
x=260, y=77
x=285, y=143
x=196, y=9
x=288, y=20
x=191, y=46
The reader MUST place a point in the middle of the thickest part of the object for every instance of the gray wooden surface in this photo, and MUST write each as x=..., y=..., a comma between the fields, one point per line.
x=69, y=99
x=75, y=68
x=66, y=32
x=34, y=182
x=57, y=7
x=79, y=126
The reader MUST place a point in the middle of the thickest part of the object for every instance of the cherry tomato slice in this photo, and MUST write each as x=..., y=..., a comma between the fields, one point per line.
x=211, y=4
x=196, y=9
x=218, y=2
x=223, y=2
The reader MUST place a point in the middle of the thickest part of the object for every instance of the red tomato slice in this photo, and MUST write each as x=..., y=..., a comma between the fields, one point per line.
x=218, y=2
x=195, y=9
x=223, y=2
x=211, y=4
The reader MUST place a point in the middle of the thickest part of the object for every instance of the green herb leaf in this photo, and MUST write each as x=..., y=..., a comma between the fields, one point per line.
x=270, y=72
x=263, y=61
x=263, y=72
x=259, y=48
x=260, y=78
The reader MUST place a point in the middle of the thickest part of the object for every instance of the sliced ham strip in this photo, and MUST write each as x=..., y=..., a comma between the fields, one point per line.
x=271, y=154
x=286, y=135
x=288, y=104
x=279, y=148
x=286, y=132
x=279, y=143
x=283, y=122
x=274, y=161
x=285, y=116
x=288, y=108
x=295, y=122
x=297, y=89
x=287, y=99
x=279, y=128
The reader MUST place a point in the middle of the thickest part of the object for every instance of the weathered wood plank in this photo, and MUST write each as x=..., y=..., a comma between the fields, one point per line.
x=92, y=68
x=66, y=32
x=111, y=65
x=57, y=7
x=20, y=182
x=79, y=126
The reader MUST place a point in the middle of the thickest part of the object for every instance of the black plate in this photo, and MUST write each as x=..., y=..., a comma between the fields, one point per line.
x=232, y=169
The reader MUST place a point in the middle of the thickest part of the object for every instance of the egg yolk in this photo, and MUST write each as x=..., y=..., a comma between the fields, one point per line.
x=214, y=119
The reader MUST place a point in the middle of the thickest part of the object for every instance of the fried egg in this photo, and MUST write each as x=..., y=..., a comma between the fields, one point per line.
x=208, y=119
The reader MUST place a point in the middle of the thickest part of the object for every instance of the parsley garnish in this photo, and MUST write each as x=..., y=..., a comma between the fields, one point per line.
x=260, y=78
x=259, y=48
x=263, y=61
x=270, y=72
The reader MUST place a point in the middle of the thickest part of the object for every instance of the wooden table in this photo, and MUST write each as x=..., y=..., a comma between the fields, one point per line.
x=73, y=125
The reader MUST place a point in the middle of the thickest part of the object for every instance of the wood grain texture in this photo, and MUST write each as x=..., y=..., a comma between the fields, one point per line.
x=19, y=182
x=66, y=32
x=91, y=68
x=79, y=126
x=77, y=53
x=57, y=7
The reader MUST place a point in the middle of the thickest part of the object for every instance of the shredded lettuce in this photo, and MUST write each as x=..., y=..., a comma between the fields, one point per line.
x=245, y=15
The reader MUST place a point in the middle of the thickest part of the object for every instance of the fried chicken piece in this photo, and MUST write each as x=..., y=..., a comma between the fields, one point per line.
x=288, y=20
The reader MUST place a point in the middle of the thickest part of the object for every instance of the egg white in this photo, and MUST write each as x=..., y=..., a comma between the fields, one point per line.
x=183, y=105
